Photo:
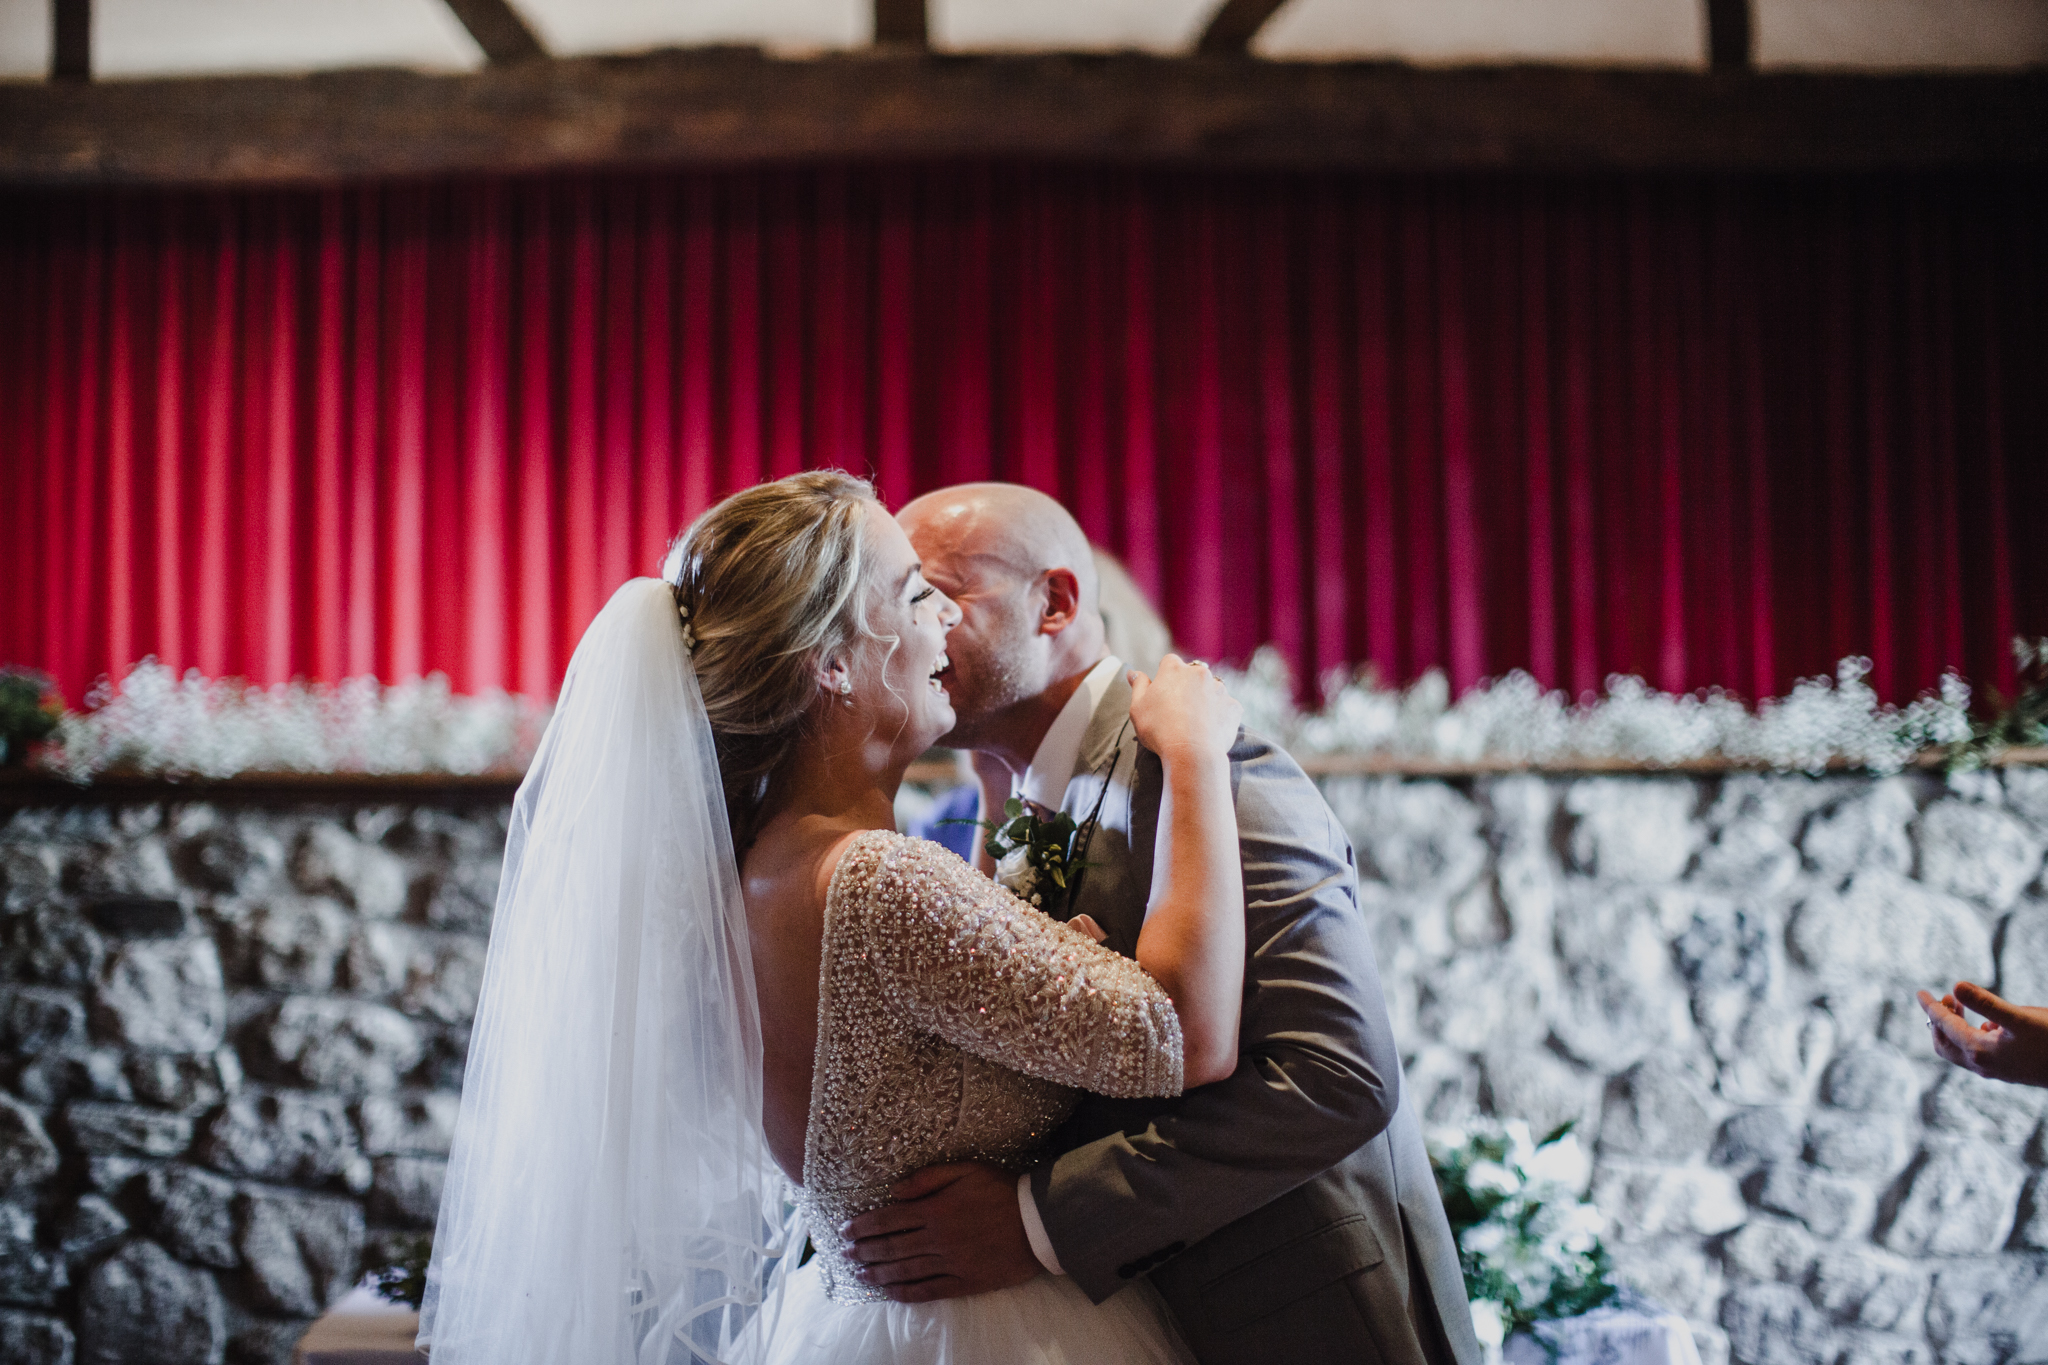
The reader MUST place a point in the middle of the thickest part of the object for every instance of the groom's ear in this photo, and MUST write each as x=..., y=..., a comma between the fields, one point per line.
x=1062, y=601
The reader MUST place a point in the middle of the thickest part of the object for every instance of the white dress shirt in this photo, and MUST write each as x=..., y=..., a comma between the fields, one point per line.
x=1045, y=784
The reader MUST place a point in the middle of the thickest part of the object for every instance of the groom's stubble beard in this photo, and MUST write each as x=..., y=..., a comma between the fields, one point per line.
x=982, y=700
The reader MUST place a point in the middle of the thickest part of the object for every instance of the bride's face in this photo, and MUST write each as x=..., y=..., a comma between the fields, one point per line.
x=901, y=685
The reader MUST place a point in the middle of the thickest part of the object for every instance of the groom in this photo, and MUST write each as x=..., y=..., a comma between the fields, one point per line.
x=1286, y=1213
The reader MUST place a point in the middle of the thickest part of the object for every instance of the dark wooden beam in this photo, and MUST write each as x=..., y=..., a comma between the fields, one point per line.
x=724, y=107
x=1232, y=27
x=70, y=40
x=498, y=30
x=901, y=23
x=1730, y=35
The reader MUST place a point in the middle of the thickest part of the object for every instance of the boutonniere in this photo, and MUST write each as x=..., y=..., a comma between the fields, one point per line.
x=1040, y=859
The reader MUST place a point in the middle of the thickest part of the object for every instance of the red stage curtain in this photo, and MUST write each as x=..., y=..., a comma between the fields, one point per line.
x=1708, y=430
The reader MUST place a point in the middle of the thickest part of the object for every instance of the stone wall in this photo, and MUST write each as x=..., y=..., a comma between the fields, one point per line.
x=232, y=1036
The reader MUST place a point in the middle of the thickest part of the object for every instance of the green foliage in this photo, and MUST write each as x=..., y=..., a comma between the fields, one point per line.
x=1528, y=1244
x=2021, y=724
x=29, y=712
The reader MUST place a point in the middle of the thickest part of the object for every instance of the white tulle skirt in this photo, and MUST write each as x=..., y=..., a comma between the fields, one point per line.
x=1045, y=1321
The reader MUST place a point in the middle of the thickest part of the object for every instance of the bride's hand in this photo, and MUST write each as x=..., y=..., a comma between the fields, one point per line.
x=1183, y=712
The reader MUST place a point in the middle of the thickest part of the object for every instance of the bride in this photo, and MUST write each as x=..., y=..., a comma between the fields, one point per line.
x=712, y=956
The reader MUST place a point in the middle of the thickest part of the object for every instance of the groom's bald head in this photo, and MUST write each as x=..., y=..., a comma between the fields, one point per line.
x=1006, y=527
x=1024, y=576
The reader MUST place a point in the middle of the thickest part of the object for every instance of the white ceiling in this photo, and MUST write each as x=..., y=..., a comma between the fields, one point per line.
x=163, y=37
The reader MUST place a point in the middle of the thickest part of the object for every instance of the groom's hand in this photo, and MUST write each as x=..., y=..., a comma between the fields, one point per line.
x=953, y=1230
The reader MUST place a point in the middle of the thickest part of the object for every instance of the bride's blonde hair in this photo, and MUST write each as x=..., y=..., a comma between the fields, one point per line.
x=770, y=581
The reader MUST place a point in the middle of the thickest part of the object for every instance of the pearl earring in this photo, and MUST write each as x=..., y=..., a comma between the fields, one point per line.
x=846, y=691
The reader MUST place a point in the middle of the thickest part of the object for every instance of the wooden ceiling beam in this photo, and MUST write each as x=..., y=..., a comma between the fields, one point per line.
x=70, y=40
x=1731, y=42
x=735, y=106
x=499, y=30
x=1233, y=26
x=902, y=23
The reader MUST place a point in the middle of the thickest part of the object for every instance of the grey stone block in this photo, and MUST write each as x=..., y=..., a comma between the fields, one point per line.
x=1770, y=1250
x=107, y=1129
x=2023, y=954
x=302, y=1252
x=29, y=1273
x=328, y=860
x=1864, y=832
x=89, y=1226
x=461, y=898
x=1870, y=1078
x=445, y=979
x=1749, y=857
x=35, y=1339
x=1848, y=1144
x=1993, y=1309
x=231, y=856
x=50, y=1078
x=420, y=1124
x=1774, y=1324
x=122, y=867
x=284, y=1135
x=2026, y=795
x=192, y=1213
x=1750, y=1137
x=27, y=1156
x=1645, y=1201
x=193, y=1081
x=140, y=1305
x=48, y=944
x=1959, y=1200
x=1421, y=838
x=287, y=944
x=1975, y=851
x=1828, y=1205
x=1656, y=1111
x=1968, y=1105
x=405, y=1191
x=343, y=1045
x=1632, y=830
x=1883, y=928
x=35, y=1018
x=1867, y=1288
x=1728, y=946
x=162, y=996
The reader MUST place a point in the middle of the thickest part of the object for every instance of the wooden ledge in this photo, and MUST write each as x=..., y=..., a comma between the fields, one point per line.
x=728, y=106
x=20, y=788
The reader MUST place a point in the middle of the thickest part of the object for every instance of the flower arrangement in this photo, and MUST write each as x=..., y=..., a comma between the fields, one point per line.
x=1528, y=1241
x=29, y=711
x=1513, y=720
x=153, y=721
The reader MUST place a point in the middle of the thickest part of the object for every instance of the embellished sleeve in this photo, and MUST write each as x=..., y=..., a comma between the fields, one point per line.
x=992, y=976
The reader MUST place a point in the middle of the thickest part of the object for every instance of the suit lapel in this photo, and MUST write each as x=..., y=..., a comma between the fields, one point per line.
x=1109, y=752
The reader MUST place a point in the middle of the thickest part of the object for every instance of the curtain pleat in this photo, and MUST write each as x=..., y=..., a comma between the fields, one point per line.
x=1711, y=430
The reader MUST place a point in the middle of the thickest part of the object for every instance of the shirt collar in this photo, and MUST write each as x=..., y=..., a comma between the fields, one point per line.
x=1052, y=767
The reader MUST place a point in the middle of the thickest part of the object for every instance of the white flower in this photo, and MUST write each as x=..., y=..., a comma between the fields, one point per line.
x=1489, y=1322
x=1015, y=874
x=1491, y=1175
x=1563, y=1163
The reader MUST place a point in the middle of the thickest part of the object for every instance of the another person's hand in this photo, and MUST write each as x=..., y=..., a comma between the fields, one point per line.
x=953, y=1230
x=1183, y=711
x=2010, y=1045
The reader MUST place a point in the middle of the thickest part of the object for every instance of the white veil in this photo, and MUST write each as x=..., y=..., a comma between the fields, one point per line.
x=610, y=1198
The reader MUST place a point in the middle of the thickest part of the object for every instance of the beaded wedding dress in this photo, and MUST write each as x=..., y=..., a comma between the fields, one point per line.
x=610, y=1199
x=956, y=1023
